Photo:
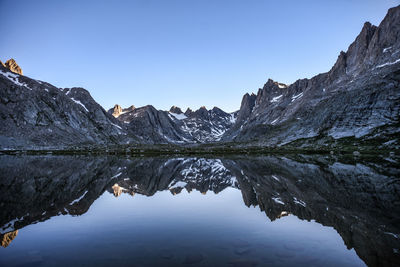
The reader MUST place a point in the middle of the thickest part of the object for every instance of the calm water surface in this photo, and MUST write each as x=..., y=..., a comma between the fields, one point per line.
x=263, y=211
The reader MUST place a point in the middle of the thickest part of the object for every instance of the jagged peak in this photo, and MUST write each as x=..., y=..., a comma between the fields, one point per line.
x=116, y=111
x=176, y=110
x=202, y=111
x=366, y=33
x=392, y=11
x=271, y=84
x=12, y=65
x=367, y=25
x=188, y=111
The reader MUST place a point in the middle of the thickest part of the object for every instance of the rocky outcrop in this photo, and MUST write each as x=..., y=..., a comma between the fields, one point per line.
x=176, y=110
x=118, y=110
x=13, y=66
x=246, y=107
x=188, y=111
x=7, y=238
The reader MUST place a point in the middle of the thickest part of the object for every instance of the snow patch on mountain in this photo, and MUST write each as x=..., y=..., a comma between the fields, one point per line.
x=387, y=64
x=79, y=103
x=14, y=78
x=295, y=97
x=178, y=116
x=276, y=99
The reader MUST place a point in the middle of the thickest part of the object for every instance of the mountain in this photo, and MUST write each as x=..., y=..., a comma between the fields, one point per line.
x=174, y=126
x=356, y=102
x=153, y=126
x=204, y=125
x=358, y=97
x=37, y=115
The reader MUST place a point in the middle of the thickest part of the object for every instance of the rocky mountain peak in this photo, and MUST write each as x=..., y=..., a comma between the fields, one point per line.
x=176, y=110
x=247, y=105
x=216, y=109
x=13, y=66
x=373, y=47
x=273, y=84
x=188, y=112
x=358, y=49
x=340, y=66
x=385, y=42
x=117, y=110
x=269, y=83
x=202, y=112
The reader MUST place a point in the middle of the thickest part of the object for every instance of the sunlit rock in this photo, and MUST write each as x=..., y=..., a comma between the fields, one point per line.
x=7, y=238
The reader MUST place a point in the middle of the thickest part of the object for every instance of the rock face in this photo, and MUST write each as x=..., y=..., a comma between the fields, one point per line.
x=7, y=238
x=13, y=66
x=118, y=110
x=205, y=125
x=359, y=95
x=175, y=110
x=37, y=115
x=153, y=126
x=174, y=126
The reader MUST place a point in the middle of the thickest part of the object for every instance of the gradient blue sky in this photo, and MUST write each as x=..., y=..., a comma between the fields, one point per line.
x=184, y=53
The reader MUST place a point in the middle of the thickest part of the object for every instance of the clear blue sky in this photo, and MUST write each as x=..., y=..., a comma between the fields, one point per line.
x=184, y=53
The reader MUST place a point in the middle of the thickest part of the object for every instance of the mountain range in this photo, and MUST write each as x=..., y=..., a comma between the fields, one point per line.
x=357, y=100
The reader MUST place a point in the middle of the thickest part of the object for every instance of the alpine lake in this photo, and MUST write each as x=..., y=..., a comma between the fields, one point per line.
x=239, y=210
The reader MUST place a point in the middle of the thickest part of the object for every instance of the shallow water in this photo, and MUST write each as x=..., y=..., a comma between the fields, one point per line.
x=241, y=211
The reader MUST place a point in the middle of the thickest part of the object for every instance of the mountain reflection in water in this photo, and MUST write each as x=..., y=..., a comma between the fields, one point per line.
x=359, y=199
